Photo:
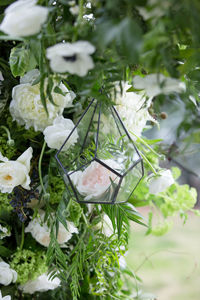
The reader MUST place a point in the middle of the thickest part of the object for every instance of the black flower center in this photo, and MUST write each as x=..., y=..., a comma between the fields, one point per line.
x=71, y=58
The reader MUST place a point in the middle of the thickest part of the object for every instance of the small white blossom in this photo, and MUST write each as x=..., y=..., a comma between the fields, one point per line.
x=24, y=18
x=73, y=58
x=27, y=109
x=1, y=76
x=4, y=231
x=8, y=297
x=14, y=173
x=106, y=226
x=42, y=283
x=56, y=134
x=158, y=184
x=7, y=275
x=155, y=84
x=41, y=232
x=132, y=109
x=74, y=10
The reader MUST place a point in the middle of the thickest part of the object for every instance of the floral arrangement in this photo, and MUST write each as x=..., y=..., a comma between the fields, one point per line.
x=57, y=56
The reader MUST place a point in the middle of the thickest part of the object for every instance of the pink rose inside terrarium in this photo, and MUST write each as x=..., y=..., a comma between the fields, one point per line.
x=103, y=166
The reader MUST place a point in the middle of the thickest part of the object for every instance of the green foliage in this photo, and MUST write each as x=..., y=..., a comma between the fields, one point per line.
x=19, y=60
x=28, y=264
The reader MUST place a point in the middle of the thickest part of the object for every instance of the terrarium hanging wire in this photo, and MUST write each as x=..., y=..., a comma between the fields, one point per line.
x=99, y=162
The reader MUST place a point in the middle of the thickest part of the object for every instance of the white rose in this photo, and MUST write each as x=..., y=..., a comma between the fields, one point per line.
x=73, y=58
x=155, y=84
x=106, y=226
x=5, y=297
x=14, y=173
x=132, y=109
x=42, y=283
x=56, y=134
x=26, y=106
x=95, y=180
x=158, y=184
x=41, y=232
x=7, y=275
x=24, y=18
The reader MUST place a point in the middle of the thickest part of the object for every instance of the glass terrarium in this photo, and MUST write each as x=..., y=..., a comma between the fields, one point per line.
x=98, y=160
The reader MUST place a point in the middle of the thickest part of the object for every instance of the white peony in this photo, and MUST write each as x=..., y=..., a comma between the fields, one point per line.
x=24, y=18
x=158, y=184
x=132, y=110
x=26, y=106
x=41, y=232
x=73, y=58
x=8, y=297
x=95, y=180
x=56, y=134
x=7, y=275
x=42, y=283
x=155, y=84
x=14, y=173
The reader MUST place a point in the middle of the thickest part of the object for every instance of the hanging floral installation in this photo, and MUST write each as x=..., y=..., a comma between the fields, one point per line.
x=83, y=85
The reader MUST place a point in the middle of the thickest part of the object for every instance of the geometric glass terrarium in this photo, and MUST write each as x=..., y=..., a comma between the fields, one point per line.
x=98, y=160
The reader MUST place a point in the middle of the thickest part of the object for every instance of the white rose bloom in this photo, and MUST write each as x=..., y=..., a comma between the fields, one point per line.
x=41, y=284
x=155, y=84
x=41, y=232
x=95, y=180
x=7, y=275
x=27, y=109
x=73, y=58
x=158, y=184
x=56, y=134
x=105, y=226
x=24, y=18
x=14, y=173
x=8, y=297
x=132, y=110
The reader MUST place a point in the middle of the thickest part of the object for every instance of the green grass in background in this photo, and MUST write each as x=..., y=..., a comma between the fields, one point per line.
x=168, y=265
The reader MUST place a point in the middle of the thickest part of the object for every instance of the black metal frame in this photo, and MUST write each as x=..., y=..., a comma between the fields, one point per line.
x=67, y=173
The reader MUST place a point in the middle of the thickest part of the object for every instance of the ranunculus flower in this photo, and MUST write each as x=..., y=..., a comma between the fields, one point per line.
x=56, y=134
x=14, y=173
x=42, y=283
x=158, y=184
x=7, y=275
x=132, y=109
x=155, y=84
x=73, y=58
x=8, y=297
x=41, y=232
x=95, y=180
x=27, y=109
x=24, y=18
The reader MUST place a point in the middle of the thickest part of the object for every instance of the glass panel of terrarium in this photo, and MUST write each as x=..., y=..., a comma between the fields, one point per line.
x=95, y=183
x=79, y=147
x=130, y=182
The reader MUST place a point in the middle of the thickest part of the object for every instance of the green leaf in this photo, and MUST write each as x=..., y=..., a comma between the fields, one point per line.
x=19, y=61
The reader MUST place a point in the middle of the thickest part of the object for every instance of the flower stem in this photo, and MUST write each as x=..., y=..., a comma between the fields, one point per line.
x=22, y=238
x=81, y=9
x=149, y=164
x=40, y=169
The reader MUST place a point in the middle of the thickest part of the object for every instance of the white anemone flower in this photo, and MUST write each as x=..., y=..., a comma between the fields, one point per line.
x=73, y=58
x=161, y=182
x=155, y=84
x=15, y=172
x=24, y=18
x=42, y=283
x=56, y=134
